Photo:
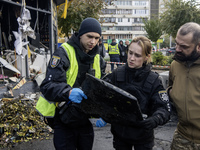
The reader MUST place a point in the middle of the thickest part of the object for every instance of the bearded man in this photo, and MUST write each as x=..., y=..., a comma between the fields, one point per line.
x=184, y=87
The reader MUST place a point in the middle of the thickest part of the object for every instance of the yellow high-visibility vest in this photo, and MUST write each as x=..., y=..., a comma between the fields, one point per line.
x=114, y=49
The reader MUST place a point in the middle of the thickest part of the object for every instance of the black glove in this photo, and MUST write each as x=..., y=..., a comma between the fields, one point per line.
x=151, y=122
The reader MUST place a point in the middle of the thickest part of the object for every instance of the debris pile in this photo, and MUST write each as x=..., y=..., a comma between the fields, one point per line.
x=20, y=122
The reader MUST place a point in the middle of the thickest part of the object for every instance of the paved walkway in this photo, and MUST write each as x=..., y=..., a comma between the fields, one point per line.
x=103, y=139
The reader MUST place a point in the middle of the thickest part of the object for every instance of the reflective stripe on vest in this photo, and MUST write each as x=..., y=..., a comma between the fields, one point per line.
x=114, y=49
x=47, y=108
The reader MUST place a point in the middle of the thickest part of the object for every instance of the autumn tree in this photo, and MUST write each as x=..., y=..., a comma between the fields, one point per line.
x=153, y=29
x=177, y=13
x=77, y=12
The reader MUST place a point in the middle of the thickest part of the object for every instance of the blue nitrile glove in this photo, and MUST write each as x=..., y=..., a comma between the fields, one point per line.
x=77, y=95
x=100, y=123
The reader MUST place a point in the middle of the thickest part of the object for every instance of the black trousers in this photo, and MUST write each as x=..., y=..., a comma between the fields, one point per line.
x=73, y=138
x=119, y=144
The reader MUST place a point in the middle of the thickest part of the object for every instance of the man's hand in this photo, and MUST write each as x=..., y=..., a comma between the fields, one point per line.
x=100, y=123
x=77, y=95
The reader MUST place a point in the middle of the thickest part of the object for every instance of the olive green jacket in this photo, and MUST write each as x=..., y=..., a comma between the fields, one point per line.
x=184, y=79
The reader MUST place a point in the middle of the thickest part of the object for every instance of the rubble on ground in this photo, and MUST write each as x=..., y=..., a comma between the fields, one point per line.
x=19, y=120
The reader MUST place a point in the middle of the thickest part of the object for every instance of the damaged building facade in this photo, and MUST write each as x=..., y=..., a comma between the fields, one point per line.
x=28, y=37
x=28, y=27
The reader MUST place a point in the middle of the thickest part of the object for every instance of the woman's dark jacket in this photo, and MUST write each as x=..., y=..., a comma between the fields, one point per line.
x=54, y=87
x=151, y=103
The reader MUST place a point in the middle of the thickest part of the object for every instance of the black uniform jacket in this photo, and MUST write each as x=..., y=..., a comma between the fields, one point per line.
x=54, y=87
x=150, y=102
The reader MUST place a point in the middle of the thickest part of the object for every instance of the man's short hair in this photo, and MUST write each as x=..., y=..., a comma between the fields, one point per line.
x=191, y=27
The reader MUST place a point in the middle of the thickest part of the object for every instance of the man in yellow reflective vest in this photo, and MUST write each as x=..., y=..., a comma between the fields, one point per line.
x=65, y=73
x=114, y=51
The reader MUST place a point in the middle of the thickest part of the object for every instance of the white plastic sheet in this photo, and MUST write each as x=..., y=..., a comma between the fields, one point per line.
x=24, y=30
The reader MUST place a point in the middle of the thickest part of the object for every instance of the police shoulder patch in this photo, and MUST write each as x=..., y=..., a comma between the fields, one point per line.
x=55, y=60
x=163, y=96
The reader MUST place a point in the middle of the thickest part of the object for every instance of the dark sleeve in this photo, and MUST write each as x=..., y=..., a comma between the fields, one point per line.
x=160, y=105
x=103, y=66
x=120, y=49
x=54, y=87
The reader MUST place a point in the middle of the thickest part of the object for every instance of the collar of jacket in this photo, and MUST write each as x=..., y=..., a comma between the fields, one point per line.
x=140, y=73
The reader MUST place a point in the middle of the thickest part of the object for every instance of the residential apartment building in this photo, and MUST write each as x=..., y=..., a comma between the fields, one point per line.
x=123, y=19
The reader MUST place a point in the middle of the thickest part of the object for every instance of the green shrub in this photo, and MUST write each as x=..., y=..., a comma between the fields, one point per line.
x=165, y=61
x=157, y=58
x=170, y=59
x=160, y=59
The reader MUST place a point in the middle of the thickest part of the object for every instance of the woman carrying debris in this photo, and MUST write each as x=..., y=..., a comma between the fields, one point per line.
x=136, y=78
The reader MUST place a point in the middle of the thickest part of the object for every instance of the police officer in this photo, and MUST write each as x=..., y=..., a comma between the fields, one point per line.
x=65, y=73
x=137, y=79
x=114, y=51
